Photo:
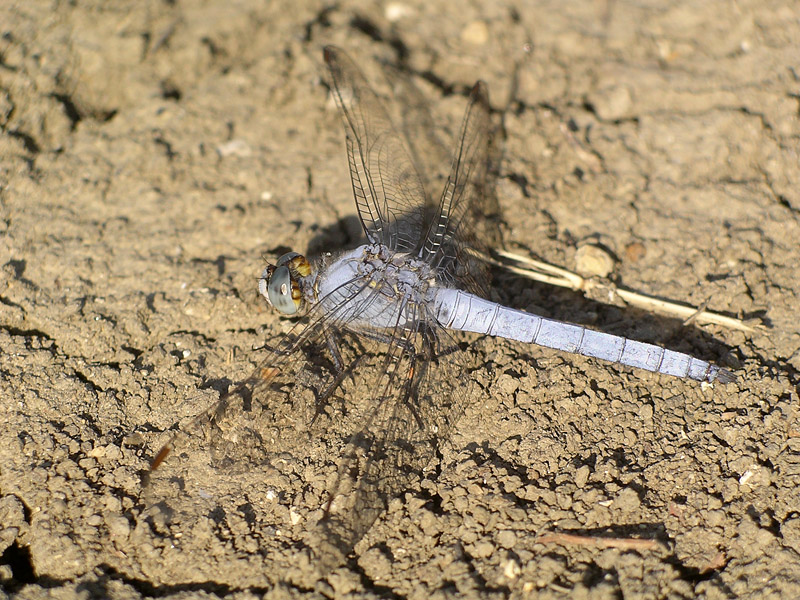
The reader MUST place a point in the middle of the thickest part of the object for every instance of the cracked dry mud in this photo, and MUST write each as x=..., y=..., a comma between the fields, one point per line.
x=152, y=152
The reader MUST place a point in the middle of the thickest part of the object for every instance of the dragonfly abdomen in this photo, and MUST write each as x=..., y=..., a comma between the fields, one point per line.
x=456, y=309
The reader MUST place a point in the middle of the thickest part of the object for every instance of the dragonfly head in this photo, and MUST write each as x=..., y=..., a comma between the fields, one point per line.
x=281, y=283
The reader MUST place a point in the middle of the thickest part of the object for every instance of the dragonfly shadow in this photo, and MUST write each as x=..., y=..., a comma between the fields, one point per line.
x=344, y=234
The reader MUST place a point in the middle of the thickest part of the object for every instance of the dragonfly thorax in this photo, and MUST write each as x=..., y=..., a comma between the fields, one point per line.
x=386, y=283
x=396, y=274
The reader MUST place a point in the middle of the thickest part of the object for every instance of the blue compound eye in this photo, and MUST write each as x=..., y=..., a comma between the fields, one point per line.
x=279, y=291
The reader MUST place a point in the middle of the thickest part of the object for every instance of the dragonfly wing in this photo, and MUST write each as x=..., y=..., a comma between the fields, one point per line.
x=389, y=192
x=417, y=386
x=258, y=463
x=468, y=210
x=421, y=133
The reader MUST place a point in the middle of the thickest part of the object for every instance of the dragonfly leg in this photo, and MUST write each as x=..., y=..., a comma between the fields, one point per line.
x=341, y=372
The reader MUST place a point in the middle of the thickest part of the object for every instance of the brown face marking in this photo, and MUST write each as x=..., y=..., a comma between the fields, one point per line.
x=300, y=265
x=297, y=295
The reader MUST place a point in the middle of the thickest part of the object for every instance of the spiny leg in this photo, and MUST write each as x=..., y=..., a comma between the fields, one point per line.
x=322, y=399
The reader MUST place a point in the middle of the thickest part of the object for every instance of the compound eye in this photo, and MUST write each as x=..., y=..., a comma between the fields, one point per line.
x=279, y=291
x=286, y=258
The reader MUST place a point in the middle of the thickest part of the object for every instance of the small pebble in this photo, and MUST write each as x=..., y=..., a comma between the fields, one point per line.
x=395, y=11
x=94, y=520
x=134, y=439
x=118, y=526
x=482, y=550
x=635, y=252
x=627, y=500
x=237, y=147
x=511, y=569
x=476, y=33
x=612, y=103
x=506, y=538
x=592, y=260
x=582, y=476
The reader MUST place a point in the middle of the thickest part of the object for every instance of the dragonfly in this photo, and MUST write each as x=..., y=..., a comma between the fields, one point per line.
x=379, y=359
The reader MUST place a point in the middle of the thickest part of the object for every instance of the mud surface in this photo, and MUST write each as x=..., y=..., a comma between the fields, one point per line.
x=153, y=152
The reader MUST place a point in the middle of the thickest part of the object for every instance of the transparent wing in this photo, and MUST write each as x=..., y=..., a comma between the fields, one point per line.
x=389, y=192
x=429, y=153
x=466, y=218
x=422, y=390
x=307, y=451
x=264, y=455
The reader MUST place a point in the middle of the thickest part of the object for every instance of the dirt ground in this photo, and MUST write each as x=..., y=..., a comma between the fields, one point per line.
x=154, y=153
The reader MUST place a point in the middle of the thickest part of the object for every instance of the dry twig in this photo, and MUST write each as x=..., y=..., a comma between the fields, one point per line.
x=550, y=274
x=571, y=539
